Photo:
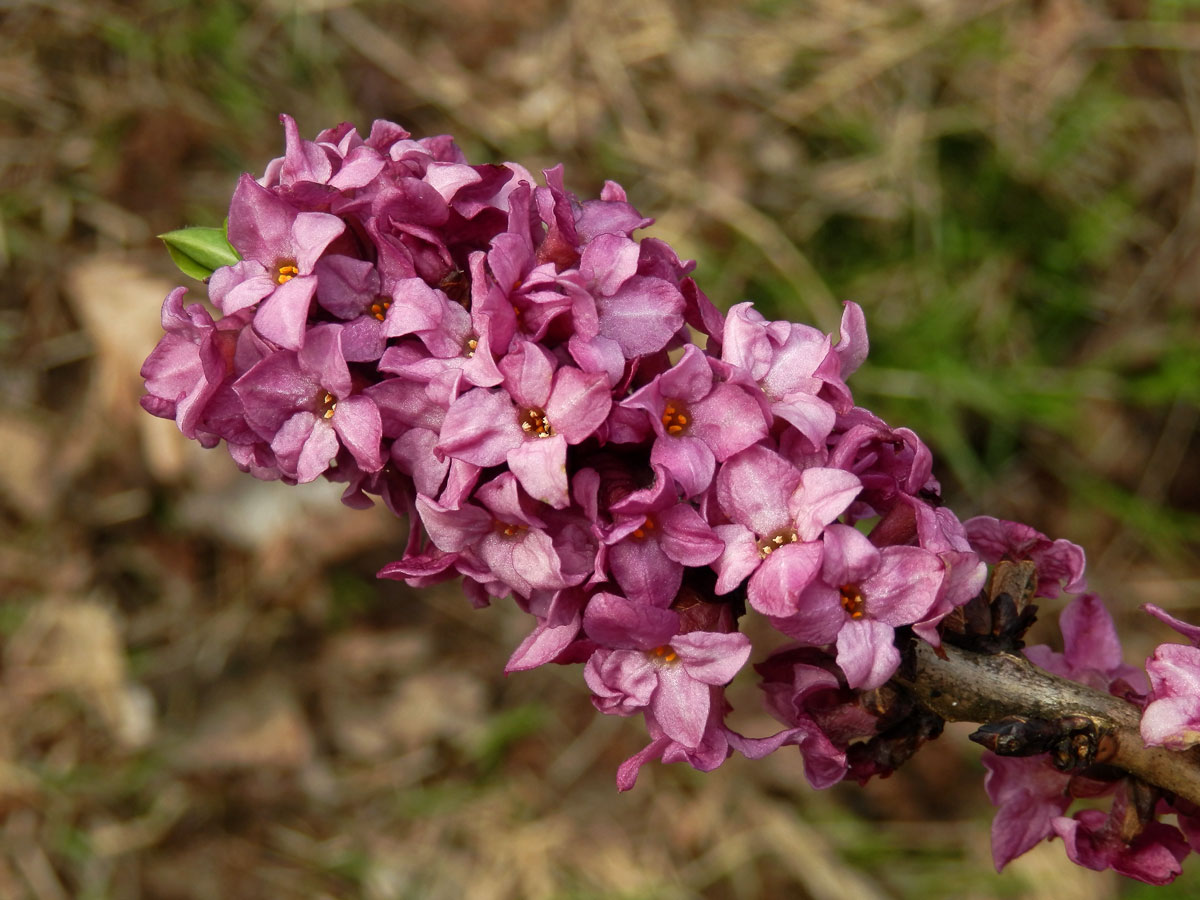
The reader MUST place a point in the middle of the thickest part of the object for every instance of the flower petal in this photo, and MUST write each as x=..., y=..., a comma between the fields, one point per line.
x=775, y=588
x=866, y=654
x=481, y=428
x=680, y=705
x=614, y=621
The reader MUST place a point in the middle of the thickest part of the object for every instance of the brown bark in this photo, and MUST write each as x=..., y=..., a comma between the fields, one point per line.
x=977, y=687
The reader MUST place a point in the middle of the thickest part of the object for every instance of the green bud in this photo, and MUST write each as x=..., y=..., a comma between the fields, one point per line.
x=199, y=251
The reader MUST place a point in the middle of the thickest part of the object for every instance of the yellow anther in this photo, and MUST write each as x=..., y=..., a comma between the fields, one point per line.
x=380, y=307
x=329, y=401
x=287, y=271
x=535, y=423
x=775, y=540
x=852, y=601
x=676, y=417
x=665, y=654
x=644, y=529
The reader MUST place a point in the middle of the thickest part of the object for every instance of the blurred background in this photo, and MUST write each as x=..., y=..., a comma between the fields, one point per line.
x=204, y=693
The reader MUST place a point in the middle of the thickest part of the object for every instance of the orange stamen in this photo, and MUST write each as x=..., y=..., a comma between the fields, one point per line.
x=775, y=540
x=287, y=270
x=535, y=423
x=852, y=601
x=676, y=417
x=665, y=654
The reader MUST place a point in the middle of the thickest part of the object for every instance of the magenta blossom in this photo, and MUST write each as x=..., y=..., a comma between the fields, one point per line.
x=305, y=405
x=452, y=340
x=280, y=247
x=1028, y=795
x=892, y=463
x=1091, y=650
x=777, y=513
x=823, y=764
x=699, y=420
x=1172, y=718
x=516, y=545
x=639, y=313
x=1101, y=841
x=795, y=365
x=189, y=363
x=565, y=418
x=939, y=531
x=862, y=595
x=530, y=424
x=559, y=618
x=651, y=666
x=654, y=535
x=315, y=171
x=1060, y=563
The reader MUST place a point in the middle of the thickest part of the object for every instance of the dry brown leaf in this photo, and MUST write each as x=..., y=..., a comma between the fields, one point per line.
x=433, y=705
x=259, y=725
x=117, y=302
x=289, y=529
x=25, y=479
x=77, y=647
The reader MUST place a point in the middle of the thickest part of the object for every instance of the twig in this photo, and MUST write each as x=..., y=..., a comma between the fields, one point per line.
x=977, y=687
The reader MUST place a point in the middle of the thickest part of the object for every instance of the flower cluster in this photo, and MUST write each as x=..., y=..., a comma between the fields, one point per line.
x=565, y=418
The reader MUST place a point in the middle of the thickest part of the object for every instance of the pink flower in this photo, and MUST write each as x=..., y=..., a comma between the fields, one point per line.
x=778, y=511
x=280, y=247
x=1099, y=841
x=718, y=742
x=1028, y=794
x=653, y=537
x=862, y=595
x=794, y=365
x=189, y=363
x=505, y=534
x=529, y=424
x=310, y=171
x=1172, y=718
x=1059, y=563
x=699, y=420
x=559, y=619
x=306, y=406
x=893, y=463
x=651, y=666
x=639, y=313
x=1091, y=650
